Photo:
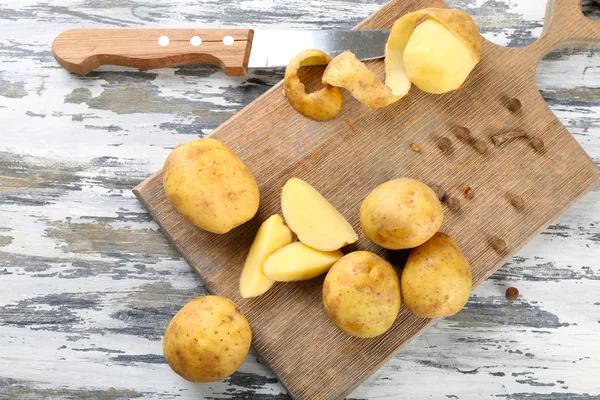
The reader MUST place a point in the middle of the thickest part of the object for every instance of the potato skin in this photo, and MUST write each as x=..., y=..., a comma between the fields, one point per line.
x=350, y=73
x=361, y=294
x=207, y=340
x=401, y=214
x=210, y=186
x=321, y=105
x=436, y=280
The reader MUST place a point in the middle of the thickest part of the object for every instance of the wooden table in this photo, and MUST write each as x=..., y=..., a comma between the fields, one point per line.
x=88, y=282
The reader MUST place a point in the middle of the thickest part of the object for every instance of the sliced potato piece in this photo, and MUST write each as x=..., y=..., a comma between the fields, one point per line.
x=434, y=48
x=271, y=236
x=298, y=262
x=310, y=216
x=321, y=105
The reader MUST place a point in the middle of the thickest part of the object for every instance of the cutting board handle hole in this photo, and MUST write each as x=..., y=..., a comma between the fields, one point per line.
x=591, y=9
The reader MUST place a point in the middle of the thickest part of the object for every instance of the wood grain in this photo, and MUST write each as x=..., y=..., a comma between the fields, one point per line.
x=347, y=157
x=82, y=50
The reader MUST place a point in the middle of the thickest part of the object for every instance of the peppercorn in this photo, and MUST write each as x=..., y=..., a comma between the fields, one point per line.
x=517, y=201
x=480, y=146
x=499, y=245
x=463, y=134
x=514, y=104
x=467, y=191
x=512, y=293
x=439, y=191
x=444, y=144
x=536, y=143
x=453, y=204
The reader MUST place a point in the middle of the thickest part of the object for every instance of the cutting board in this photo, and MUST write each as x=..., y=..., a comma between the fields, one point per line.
x=347, y=157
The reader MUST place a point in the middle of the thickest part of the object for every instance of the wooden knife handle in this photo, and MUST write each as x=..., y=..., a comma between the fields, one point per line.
x=82, y=50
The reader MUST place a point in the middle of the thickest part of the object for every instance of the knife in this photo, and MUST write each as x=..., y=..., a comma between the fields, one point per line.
x=233, y=50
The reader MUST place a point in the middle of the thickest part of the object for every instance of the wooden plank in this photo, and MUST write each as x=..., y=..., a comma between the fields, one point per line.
x=347, y=157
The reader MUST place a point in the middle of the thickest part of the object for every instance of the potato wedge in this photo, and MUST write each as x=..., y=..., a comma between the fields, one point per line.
x=313, y=219
x=271, y=236
x=298, y=262
x=321, y=105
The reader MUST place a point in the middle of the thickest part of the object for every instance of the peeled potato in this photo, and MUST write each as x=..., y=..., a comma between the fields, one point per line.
x=321, y=105
x=298, y=262
x=434, y=48
x=271, y=236
x=313, y=219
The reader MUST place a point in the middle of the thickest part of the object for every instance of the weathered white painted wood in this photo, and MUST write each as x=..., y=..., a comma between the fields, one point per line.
x=89, y=283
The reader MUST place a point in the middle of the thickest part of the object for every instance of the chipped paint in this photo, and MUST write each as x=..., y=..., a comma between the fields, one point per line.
x=12, y=90
x=78, y=96
x=26, y=390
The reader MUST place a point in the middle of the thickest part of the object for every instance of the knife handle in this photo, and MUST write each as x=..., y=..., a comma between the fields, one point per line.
x=82, y=50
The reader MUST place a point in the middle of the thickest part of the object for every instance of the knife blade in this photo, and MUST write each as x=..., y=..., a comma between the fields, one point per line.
x=276, y=48
x=234, y=50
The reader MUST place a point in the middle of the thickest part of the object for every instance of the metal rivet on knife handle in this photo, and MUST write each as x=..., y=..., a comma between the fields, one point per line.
x=196, y=41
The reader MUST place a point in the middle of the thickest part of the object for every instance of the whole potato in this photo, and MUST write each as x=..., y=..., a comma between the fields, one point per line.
x=401, y=214
x=209, y=185
x=436, y=280
x=207, y=340
x=361, y=294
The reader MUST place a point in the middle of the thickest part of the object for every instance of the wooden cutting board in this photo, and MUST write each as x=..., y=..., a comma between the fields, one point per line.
x=347, y=157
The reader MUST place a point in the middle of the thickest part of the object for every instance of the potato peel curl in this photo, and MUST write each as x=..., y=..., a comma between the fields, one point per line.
x=348, y=72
